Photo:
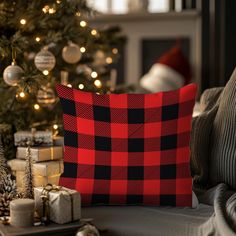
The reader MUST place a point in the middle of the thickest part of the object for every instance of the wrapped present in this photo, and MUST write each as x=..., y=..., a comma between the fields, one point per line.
x=40, y=154
x=6, y=132
x=43, y=172
x=58, y=141
x=35, y=138
x=58, y=204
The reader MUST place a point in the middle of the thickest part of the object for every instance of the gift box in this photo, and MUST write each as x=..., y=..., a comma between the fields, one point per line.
x=58, y=141
x=43, y=172
x=40, y=154
x=64, y=205
x=35, y=138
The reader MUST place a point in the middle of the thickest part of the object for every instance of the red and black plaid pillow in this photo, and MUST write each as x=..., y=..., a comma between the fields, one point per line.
x=128, y=148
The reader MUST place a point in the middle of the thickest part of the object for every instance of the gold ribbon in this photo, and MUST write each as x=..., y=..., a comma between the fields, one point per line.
x=45, y=198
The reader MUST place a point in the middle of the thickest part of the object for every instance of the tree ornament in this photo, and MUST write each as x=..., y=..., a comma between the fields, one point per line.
x=44, y=60
x=28, y=191
x=46, y=96
x=99, y=58
x=13, y=74
x=71, y=53
x=84, y=69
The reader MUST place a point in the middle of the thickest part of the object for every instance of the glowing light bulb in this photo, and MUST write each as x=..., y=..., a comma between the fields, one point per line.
x=94, y=32
x=81, y=86
x=36, y=106
x=37, y=39
x=98, y=83
x=51, y=10
x=46, y=72
x=114, y=50
x=69, y=85
x=94, y=74
x=83, y=49
x=55, y=126
x=83, y=23
x=58, y=1
x=22, y=94
x=109, y=60
x=45, y=9
x=23, y=21
x=78, y=13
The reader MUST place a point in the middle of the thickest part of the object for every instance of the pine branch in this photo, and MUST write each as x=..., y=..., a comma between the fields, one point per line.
x=28, y=191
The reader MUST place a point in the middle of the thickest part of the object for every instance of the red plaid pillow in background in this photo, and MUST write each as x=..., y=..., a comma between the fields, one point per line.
x=128, y=148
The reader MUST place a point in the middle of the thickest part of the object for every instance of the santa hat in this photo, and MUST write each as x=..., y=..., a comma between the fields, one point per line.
x=172, y=71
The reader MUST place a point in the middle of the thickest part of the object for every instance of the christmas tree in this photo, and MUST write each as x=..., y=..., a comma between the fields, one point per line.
x=44, y=42
x=28, y=191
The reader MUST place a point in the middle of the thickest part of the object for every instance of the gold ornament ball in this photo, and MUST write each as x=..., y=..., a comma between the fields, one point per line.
x=13, y=74
x=46, y=96
x=71, y=53
x=44, y=60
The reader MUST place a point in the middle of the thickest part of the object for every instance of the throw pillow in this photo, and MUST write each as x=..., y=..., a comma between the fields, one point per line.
x=223, y=138
x=128, y=148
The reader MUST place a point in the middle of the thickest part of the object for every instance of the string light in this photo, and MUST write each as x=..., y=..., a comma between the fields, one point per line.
x=78, y=13
x=58, y=1
x=98, y=83
x=23, y=21
x=83, y=49
x=46, y=72
x=51, y=10
x=37, y=39
x=55, y=126
x=114, y=50
x=83, y=23
x=36, y=106
x=109, y=60
x=69, y=85
x=45, y=9
x=22, y=94
x=81, y=86
x=94, y=32
x=94, y=74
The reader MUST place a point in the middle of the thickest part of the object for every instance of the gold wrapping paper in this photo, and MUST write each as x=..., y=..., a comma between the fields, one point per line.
x=60, y=204
x=40, y=154
x=44, y=172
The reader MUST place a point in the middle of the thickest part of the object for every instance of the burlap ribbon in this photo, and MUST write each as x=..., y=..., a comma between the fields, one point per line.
x=45, y=198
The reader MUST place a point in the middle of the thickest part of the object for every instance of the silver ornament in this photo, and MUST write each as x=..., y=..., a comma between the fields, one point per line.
x=13, y=74
x=71, y=53
x=46, y=96
x=44, y=60
x=99, y=58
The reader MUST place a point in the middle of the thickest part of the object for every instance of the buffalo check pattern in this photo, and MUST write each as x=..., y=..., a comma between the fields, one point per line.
x=128, y=148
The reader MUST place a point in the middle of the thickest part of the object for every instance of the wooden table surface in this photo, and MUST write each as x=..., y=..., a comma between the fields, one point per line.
x=49, y=230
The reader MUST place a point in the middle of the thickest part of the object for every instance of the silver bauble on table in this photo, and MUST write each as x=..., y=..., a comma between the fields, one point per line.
x=71, y=53
x=44, y=60
x=13, y=74
x=46, y=96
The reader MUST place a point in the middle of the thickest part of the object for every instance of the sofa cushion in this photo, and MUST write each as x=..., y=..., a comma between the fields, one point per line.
x=128, y=148
x=223, y=138
x=152, y=221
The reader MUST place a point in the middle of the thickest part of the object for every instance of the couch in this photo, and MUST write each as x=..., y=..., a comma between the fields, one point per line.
x=213, y=139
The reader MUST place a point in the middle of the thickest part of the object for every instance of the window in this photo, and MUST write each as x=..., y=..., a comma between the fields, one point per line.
x=121, y=6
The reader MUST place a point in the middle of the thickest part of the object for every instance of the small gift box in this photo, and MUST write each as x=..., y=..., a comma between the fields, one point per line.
x=35, y=138
x=58, y=204
x=43, y=172
x=40, y=154
x=58, y=141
